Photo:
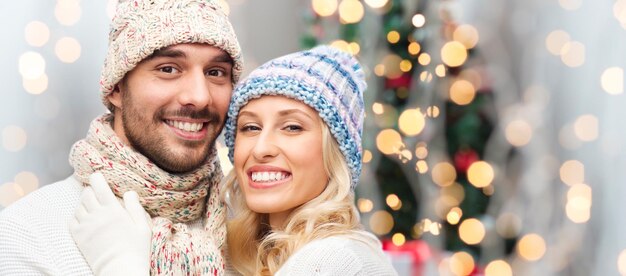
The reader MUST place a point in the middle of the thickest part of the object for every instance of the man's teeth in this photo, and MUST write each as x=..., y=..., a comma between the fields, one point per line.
x=186, y=126
x=268, y=176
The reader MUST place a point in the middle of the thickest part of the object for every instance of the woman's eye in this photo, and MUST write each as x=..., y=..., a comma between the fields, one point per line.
x=168, y=69
x=247, y=128
x=293, y=128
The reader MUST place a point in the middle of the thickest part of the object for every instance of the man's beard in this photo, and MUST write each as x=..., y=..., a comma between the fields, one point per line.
x=144, y=136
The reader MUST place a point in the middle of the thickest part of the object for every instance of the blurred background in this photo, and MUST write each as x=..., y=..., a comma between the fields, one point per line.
x=492, y=142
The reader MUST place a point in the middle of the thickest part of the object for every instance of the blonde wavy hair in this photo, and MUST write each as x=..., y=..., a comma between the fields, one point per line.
x=256, y=249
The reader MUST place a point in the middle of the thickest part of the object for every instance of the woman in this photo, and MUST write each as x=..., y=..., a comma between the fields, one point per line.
x=294, y=134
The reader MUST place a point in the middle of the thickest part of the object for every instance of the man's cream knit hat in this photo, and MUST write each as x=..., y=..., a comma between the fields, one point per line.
x=141, y=27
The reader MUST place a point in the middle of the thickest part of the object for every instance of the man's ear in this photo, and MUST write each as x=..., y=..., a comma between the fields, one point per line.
x=115, y=97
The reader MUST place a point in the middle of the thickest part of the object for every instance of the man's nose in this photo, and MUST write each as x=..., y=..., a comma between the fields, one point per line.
x=196, y=90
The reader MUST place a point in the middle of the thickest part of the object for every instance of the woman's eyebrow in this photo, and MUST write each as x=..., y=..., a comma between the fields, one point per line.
x=286, y=112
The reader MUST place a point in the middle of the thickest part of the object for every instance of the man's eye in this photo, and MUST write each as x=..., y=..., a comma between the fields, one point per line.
x=216, y=73
x=168, y=69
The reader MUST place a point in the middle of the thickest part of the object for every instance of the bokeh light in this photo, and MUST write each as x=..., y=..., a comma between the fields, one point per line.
x=612, y=80
x=398, y=239
x=13, y=138
x=578, y=210
x=36, y=86
x=414, y=48
x=518, y=133
x=376, y=3
x=9, y=193
x=440, y=70
x=462, y=263
x=454, y=216
x=418, y=20
x=406, y=65
x=573, y=54
x=381, y=223
x=531, y=247
x=572, y=172
x=462, y=92
x=341, y=45
x=467, y=35
x=367, y=156
x=36, y=33
x=365, y=205
x=472, y=231
x=498, y=268
x=351, y=11
x=67, y=49
x=424, y=59
x=586, y=127
x=426, y=76
x=67, y=12
x=432, y=111
x=411, y=122
x=421, y=150
x=392, y=66
x=393, y=201
x=324, y=7
x=480, y=174
x=570, y=5
x=578, y=207
x=32, y=65
x=621, y=262
x=393, y=37
x=556, y=40
x=378, y=108
x=443, y=174
x=453, y=54
x=421, y=166
x=389, y=141
x=27, y=181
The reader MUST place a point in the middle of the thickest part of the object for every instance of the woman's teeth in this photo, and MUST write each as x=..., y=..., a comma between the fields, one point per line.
x=268, y=176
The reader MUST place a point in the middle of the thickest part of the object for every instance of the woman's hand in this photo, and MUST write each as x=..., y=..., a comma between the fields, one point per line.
x=114, y=240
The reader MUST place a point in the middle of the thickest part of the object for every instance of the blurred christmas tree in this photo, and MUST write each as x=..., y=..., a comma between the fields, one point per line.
x=429, y=115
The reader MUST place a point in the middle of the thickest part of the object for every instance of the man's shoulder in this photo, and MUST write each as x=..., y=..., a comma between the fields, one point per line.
x=56, y=198
x=34, y=235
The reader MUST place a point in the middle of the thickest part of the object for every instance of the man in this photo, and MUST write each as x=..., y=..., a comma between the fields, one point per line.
x=167, y=80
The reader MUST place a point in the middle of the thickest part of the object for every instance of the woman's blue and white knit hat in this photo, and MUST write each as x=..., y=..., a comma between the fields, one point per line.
x=325, y=78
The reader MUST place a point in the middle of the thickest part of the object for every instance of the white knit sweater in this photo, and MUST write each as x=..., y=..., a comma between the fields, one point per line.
x=34, y=234
x=338, y=255
x=35, y=238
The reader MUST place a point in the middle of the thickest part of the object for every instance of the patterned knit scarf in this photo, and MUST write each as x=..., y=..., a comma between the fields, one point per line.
x=170, y=199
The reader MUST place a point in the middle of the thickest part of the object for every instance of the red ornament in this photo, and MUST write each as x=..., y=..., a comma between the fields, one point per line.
x=402, y=81
x=417, y=250
x=464, y=158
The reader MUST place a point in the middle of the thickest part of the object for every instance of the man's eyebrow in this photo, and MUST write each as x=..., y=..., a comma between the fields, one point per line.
x=173, y=53
x=166, y=52
x=223, y=57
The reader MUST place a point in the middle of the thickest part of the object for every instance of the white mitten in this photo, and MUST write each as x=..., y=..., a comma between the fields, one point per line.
x=114, y=240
